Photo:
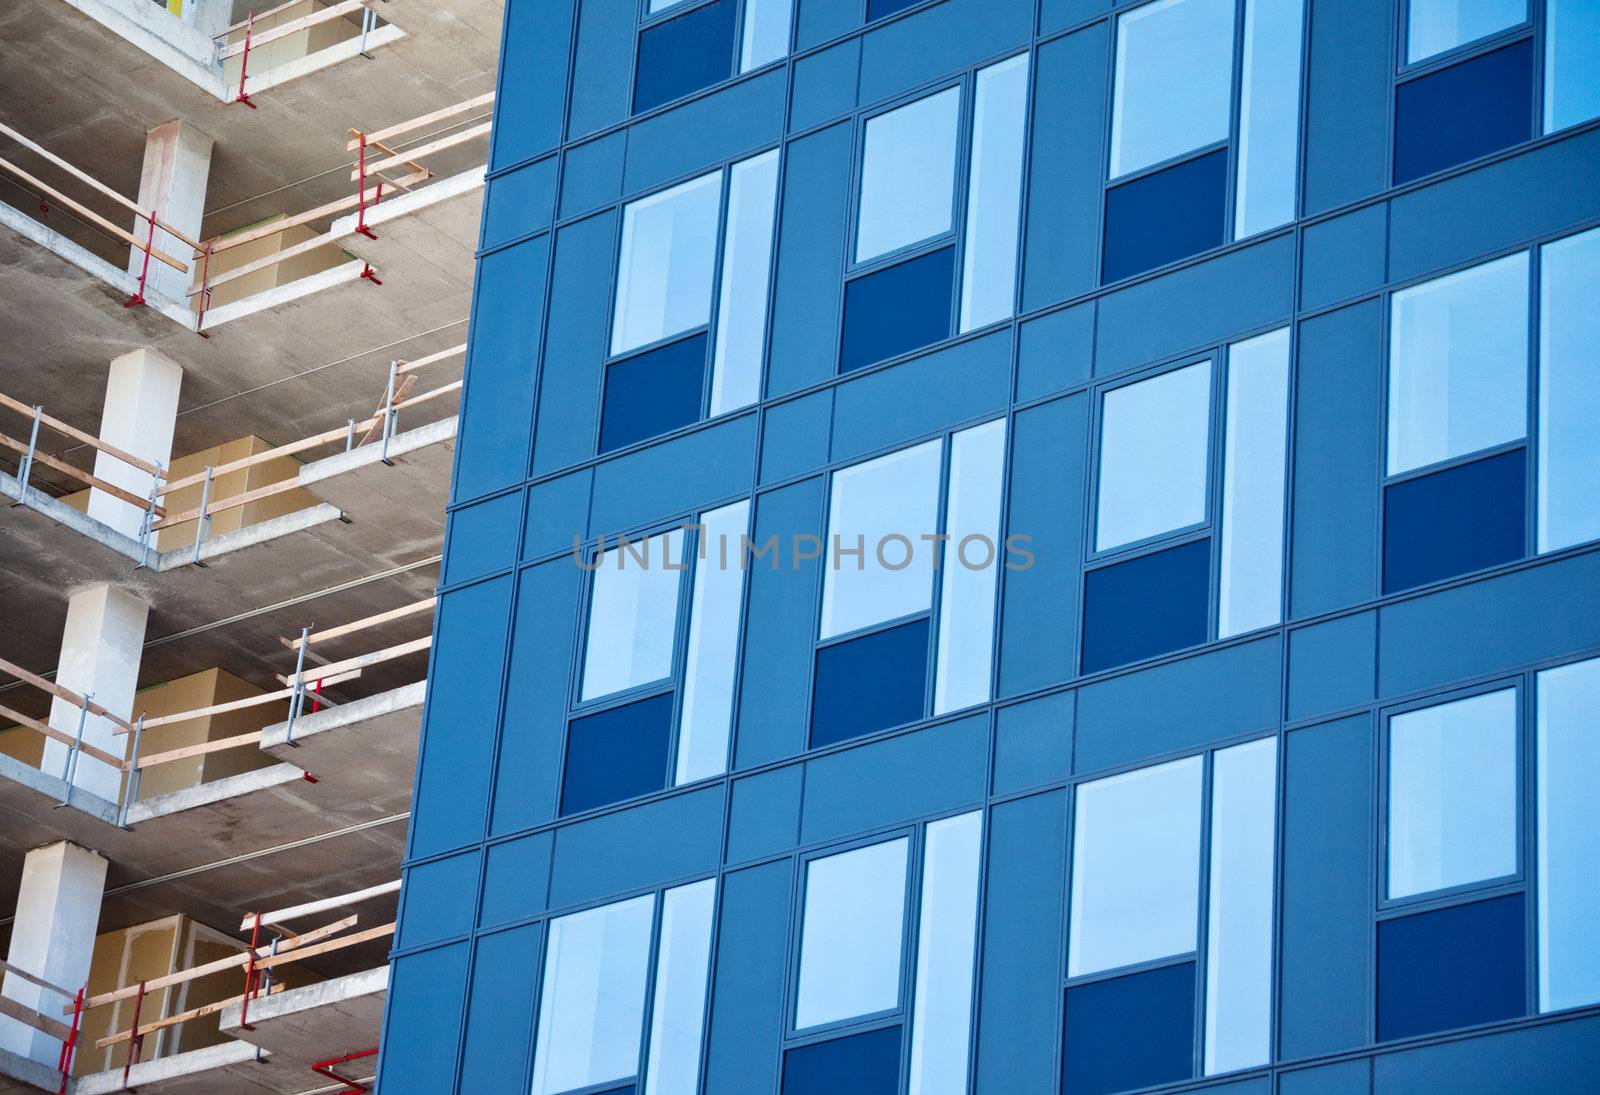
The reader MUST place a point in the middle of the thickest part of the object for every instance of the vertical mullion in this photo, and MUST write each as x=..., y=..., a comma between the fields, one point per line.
x=1203, y=911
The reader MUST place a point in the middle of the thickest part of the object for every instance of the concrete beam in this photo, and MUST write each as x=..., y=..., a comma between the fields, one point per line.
x=315, y=1022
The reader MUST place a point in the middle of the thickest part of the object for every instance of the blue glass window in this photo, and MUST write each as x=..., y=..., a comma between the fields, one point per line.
x=1569, y=391
x=663, y=314
x=618, y=754
x=1172, y=115
x=1455, y=521
x=1470, y=109
x=1134, y=944
x=896, y=310
x=909, y=202
x=620, y=745
x=683, y=54
x=1434, y=26
x=1131, y=1031
x=1154, y=445
x=1453, y=967
x=1147, y=606
x=1571, y=63
x=1166, y=216
x=860, y=1064
x=890, y=545
x=597, y=967
x=851, y=964
x=1568, y=826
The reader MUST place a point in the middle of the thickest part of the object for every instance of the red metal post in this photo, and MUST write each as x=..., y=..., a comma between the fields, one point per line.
x=352, y=1087
x=244, y=62
x=251, y=976
x=205, y=292
x=316, y=690
x=361, y=188
x=144, y=272
x=370, y=274
x=69, y=1047
x=136, y=1042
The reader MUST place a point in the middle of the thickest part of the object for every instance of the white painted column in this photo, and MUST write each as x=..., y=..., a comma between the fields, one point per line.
x=99, y=656
x=177, y=164
x=58, y=916
x=140, y=413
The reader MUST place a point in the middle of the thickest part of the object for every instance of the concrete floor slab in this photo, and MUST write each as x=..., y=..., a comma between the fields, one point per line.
x=366, y=747
x=21, y=1076
x=317, y=1022
x=234, y=1068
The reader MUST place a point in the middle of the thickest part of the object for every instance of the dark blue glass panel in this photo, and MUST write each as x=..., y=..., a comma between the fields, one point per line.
x=1463, y=112
x=617, y=754
x=1450, y=968
x=877, y=9
x=419, y=1052
x=1454, y=522
x=500, y=1012
x=1146, y=606
x=653, y=392
x=898, y=309
x=862, y=1064
x=1131, y=1031
x=685, y=54
x=1166, y=216
x=870, y=683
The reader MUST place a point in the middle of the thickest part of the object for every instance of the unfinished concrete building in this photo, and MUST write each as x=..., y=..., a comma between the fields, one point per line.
x=236, y=254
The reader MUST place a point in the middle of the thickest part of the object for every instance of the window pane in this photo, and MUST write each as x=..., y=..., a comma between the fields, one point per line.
x=713, y=655
x=1469, y=109
x=1458, y=364
x=683, y=963
x=1130, y=1032
x=1165, y=216
x=1438, y=25
x=908, y=175
x=1269, y=116
x=1153, y=440
x=1145, y=606
x=946, y=940
x=617, y=754
x=1569, y=391
x=669, y=249
x=633, y=615
x=1455, y=521
x=746, y=264
x=994, y=193
x=591, y=1009
x=897, y=309
x=1569, y=836
x=850, y=937
x=895, y=495
x=1174, y=81
x=870, y=683
x=1453, y=794
x=1135, y=867
x=1239, y=925
x=1571, y=71
x=683, y=54
x=1453, y=967
x=766, y=32
x=653, y=393
x=972, y=559
x=1255, y=444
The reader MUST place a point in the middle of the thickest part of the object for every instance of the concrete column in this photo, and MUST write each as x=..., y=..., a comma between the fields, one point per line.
x=100, y=655
x=58, y=916
x=140, y=413
x=177, y=164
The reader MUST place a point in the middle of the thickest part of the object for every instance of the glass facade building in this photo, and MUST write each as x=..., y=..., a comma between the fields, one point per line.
x=1021, y=546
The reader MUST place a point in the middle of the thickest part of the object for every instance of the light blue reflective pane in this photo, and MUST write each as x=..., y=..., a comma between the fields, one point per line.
x=591, y=1009
x=1269, y=116
x=633, y=614
x=1569, y=391
x=746, y=265
x=908, y=175
x=713, y=654
x=1239, y=922
x=1174, y=81
x=1254, y=448
x=1458, y=364
x=946, y=942
x=972, y=560
x=677, y=1013
x=878, y=567
x=1437, y=25
x=1571, y=63
x=663, y=5
x=669, y=251
x=994, y=193
x=850, y=938
x=1453, y=794
x=1153, y=440
x=766, y=32
x=1135, y=867
x=1569, y=836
